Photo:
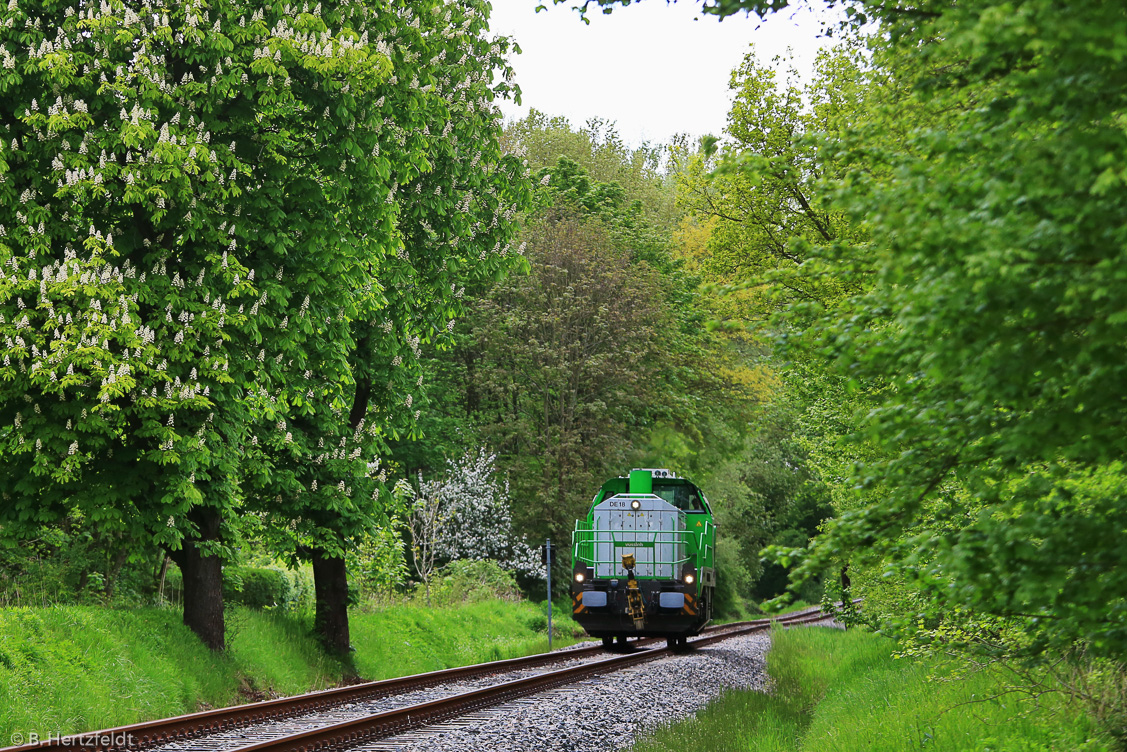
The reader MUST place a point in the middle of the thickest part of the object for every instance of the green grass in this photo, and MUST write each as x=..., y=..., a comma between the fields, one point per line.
x=837, y=691
x=276, y=654
x=411, y=639
x=67, y=669
x=72, y=668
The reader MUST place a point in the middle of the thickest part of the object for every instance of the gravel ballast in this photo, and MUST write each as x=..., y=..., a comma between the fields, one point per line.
x=276, y=729
x=602, y=713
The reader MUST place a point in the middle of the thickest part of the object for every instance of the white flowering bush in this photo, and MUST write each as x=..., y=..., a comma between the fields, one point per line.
x=476, y=520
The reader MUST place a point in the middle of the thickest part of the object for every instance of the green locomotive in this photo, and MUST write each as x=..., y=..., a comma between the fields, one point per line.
x=644, y=559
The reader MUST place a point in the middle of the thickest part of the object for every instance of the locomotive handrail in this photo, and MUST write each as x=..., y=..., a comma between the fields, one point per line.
x=592, y=535
x=587, y=538
x=686, y=539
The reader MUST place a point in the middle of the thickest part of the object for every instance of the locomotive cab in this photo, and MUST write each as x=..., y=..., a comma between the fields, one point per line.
x=643, y=559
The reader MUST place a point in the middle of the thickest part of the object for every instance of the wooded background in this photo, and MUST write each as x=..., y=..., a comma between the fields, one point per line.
x=275, y=279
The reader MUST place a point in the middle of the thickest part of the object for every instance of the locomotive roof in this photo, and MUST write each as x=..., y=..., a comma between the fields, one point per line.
x=692, y=499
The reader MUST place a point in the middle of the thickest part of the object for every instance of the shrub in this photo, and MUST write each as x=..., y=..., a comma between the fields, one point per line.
x=256, y=587
x=537, y=622
x=66, y=563
x=465, y=581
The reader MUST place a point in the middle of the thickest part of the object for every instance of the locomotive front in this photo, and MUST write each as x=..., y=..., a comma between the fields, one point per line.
x=644, y=559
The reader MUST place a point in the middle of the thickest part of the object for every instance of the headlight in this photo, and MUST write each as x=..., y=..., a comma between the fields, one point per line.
x=579, y=577
x=635, y=504
x=689, y=579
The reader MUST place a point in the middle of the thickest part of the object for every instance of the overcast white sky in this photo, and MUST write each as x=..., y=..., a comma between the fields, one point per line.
x=653, y=68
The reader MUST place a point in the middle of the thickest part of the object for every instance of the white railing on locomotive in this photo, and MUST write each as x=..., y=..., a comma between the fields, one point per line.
x=657, y=553
x=661, y=556
x=596, y=540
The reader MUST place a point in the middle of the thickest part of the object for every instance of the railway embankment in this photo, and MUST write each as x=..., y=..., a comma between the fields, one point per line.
x=70, y=669
x=839, y=691
x=818, y=689
x=381, y=712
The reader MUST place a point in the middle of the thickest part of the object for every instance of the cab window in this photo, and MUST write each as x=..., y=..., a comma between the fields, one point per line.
x=681, y=495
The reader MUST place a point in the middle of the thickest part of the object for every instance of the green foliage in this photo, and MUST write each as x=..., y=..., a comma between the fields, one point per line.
x=941, y=221
x=636, y=172
x=733, y=581
x=225, y=232
x=137, y=377
x=70, y=562
x=599, y=358
x=381, y=563
x=768, y=494
x=256, y=587
x=834, y=690
x=764, y=192
x=454, y=207
x=993, y=322
x=764, y=232
x=537, y=622
x=465, y=581
x=560, y=340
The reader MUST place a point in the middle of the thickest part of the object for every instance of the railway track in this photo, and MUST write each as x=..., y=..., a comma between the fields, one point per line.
x=339, y=718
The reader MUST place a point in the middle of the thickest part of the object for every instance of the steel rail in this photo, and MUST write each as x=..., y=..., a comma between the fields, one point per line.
x=381, y=725
x=342, y=736
x=179, y=728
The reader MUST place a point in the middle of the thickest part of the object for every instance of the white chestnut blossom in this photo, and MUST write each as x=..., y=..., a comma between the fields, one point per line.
x=476, y=515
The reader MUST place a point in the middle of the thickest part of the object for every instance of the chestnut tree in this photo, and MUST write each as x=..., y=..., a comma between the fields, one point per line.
x=206, y=221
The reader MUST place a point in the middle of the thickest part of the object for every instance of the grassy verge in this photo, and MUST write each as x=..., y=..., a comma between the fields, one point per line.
x=72, y=668
x=67, y=669
x=410, y=639
x=843, y=692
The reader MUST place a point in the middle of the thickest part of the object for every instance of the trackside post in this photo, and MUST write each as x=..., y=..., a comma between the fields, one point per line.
x=548, y=567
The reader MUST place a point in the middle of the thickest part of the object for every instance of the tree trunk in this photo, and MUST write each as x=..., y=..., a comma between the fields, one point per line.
x=203, y=580
x=330, y=580
x=330, y=573
x=114, y=570
x=472, y=400
x=163, y=574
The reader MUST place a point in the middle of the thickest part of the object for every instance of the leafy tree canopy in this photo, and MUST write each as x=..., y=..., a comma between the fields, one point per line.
x=977, y=185
x=219, y=225
x=764, y=193
x=995, y=228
